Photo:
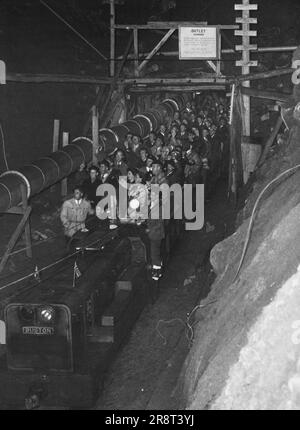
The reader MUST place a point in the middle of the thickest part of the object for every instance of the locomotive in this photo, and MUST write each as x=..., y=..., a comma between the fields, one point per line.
x=63, y=332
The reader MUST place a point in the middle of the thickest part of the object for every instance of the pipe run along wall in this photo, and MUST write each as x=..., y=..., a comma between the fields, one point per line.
x=46, y=171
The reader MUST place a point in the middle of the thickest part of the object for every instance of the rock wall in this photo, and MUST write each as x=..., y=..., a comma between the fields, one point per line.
x=246, y=351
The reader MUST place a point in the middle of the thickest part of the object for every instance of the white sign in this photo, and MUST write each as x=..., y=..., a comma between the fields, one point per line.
x=198, y=43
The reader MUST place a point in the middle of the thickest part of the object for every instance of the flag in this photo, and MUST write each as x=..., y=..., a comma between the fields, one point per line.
x=77, y=272
x=36, y=274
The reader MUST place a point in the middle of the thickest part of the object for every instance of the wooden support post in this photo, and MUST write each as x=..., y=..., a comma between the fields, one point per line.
x=64, y=182
x=270, y=141
x=112, y=37
x=55, y=143
x=246, y=33
x=219, y=41
x=95, y=133
x=27, y=224
x=23, y=226
x=136, y=51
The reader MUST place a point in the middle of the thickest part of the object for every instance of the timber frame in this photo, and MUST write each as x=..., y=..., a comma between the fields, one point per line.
x=114, y=86
x=23, y=227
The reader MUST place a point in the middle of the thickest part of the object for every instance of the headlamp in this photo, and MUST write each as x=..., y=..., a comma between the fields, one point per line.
x=46, y=314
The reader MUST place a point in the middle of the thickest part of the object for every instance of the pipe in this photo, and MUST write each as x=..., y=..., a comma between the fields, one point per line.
x=42, y=173
x=141, y=124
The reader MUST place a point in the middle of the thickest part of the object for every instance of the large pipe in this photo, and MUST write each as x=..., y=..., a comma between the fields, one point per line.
x=46, y=171
x=141, y=124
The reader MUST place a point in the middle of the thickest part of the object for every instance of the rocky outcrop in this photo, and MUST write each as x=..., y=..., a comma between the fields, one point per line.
x=246, y=351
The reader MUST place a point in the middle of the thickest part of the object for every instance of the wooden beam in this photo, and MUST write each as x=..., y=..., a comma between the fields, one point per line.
x=55, y=143
x=115, y=80
x=173, y=81
x=156, y=49
x=181, y=88
x=27, y=223
x=270, y=141
x=112, y=37
x=99, y=96
x=261, y=75
x=165, y=26
x=63, y=79
x=225, y=50
x=64, y=182
x=136, y=51
x=16, y=235
x=270, y=95
x=95, y=133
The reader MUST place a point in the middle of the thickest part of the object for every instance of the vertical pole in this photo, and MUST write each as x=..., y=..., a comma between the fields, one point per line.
x=246, y=68
x=55, y=142
x=95, y=133
x=64, y=182
x=136, y=51
x=219, y=41
x=112, y=37
x=27, y=225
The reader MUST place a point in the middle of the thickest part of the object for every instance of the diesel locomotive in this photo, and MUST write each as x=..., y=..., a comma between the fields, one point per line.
x=62, y=332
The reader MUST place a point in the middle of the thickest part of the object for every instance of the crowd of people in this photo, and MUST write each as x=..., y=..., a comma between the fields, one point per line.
x=193, y=148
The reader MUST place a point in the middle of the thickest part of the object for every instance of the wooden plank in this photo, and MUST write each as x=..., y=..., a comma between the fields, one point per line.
x=246, y=7
x=156, y=49
x=95, y=133
x=241, y=63
x=177, y=23
x=250, y=33
x=55, y=143
x=55, y=140
x=64, y=182
x=14, y=238
x=212, y=65
x=63, y=79
x=158, y=25
x=219, y=49
x=246, y=48
x=112, y=37
x=136, y=52
x=269, y=95
x=179, y=89
x=241, y=20
x=114, y=82
x=88, y=122
x=174, y=81
x=270, y=141
x=262, y=75
x=27, y=224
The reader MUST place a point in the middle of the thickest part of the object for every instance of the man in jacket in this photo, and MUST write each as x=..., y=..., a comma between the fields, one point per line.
x=74, y=213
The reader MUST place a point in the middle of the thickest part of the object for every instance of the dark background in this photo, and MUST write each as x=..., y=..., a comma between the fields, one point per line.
x=32, y=40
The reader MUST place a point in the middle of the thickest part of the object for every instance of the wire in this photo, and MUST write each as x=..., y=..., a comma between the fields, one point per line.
x=248, y=235
x=3, y=145
x=50, y=265
x=73, y=29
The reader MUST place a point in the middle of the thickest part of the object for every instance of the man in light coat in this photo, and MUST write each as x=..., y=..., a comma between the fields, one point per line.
x=74, y=213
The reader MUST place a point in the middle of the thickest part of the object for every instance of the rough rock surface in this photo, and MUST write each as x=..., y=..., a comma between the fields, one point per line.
x=245, y=353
